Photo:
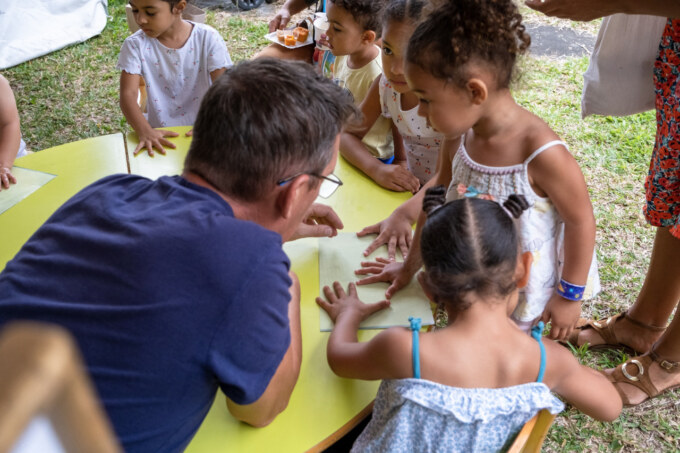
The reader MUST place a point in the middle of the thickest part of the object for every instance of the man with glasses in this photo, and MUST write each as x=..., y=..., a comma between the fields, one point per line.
x=178, y=286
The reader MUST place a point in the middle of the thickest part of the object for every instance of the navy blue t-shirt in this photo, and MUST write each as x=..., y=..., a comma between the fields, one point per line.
x=168, y=295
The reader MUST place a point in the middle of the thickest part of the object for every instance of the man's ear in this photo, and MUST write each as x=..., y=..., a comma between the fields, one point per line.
x=290, y=194
x=478, y=90
x=523, y=269
x=368, y=37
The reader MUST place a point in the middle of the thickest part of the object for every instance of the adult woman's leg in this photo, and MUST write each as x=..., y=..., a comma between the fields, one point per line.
x=656, y=301
x=644, y=321
x=653, y=373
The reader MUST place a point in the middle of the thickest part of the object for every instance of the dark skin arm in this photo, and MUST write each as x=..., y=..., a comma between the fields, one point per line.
x=585, y=10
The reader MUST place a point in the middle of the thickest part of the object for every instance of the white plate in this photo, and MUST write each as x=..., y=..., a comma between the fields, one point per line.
x=273, y=38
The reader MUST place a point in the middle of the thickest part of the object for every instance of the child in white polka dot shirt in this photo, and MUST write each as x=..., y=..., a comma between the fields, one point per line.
x=178, y=61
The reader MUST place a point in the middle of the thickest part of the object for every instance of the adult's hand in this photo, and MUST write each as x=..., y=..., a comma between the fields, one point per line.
x=288, y=9
x=6, y=177
x=280, y=20
x=583, y=10
x=320, y=221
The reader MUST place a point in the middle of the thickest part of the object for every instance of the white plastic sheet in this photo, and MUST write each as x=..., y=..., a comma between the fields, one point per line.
x=31, y=28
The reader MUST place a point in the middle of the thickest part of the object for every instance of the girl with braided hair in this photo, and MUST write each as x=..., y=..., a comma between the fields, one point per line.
x=460, y=63
x=471, y=385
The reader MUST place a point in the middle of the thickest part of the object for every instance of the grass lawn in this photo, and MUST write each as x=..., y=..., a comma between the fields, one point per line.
x=73, y=94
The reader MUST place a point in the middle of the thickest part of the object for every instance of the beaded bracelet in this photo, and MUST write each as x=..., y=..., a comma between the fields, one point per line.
x=569, y=291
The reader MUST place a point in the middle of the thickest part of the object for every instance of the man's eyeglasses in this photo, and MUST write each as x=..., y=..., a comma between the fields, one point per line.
x=328, y=187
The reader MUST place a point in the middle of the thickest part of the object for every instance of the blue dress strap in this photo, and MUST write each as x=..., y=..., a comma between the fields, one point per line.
x=415, y=328
x=537, y=333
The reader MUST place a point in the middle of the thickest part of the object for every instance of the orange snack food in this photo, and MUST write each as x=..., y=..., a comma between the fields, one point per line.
x=281, y=35
x=301, y=34
x=290, y=40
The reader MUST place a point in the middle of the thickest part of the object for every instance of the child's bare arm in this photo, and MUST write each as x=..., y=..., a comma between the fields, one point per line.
x=584, y=388
x=149, y=137
x=10, y=133
x=376, y=359
x=390, y=230
x=399, y=148
x=216, y=73
x=557, y=173
x=392, y=177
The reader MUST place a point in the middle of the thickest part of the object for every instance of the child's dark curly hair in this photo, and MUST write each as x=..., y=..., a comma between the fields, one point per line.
x=469, y=246
x=402, y=11
x=366, y=13
x=455, y=33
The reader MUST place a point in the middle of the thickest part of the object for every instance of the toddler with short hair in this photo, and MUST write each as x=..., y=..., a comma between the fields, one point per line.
x=178, y=61
x=353, y=62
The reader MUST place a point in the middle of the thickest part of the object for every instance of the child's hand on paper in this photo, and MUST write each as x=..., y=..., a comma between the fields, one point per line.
x=394, y=231
x=6, y=177
x=347, y=305
x=155, y=138
x=385, y=271
x=189, y=133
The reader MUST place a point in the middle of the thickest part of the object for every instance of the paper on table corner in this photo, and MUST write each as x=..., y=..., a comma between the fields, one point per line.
x=28, y=181
x=340, y=256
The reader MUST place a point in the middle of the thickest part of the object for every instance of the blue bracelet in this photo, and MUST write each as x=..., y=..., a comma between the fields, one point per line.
x=569, y=291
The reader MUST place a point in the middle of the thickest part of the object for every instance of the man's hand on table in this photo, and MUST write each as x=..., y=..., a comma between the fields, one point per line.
x=320, y=221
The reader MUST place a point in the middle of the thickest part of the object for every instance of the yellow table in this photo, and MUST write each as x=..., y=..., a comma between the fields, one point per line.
x=323, y=406
x=75, y=165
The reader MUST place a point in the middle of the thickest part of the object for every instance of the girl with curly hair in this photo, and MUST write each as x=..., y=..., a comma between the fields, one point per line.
x=460, y=64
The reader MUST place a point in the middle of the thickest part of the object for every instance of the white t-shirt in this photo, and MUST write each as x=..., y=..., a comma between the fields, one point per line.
x=176, y=79
x=421, y=142
x=22, y=148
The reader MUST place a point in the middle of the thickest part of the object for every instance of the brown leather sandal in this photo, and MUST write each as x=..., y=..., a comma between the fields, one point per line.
x=604, y=329
x=634, y=372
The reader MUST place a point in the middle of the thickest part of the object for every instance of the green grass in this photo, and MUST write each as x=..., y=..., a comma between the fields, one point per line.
x=73, y=94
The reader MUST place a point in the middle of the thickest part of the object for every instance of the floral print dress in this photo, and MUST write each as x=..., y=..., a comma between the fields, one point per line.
x=663, y=181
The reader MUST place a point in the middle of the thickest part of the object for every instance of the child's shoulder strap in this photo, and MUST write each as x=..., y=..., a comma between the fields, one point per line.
x=550, y=144
x=415, y=328
x=537, y=334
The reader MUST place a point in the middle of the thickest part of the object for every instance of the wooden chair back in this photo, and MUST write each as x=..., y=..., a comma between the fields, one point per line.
x=531, y=436
x=41, y=373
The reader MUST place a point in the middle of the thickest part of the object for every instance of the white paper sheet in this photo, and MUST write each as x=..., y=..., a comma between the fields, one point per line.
x=340, y=256
x=28, y=181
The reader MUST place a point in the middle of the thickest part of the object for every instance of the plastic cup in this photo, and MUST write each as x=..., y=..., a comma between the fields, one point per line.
x=320, y=27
